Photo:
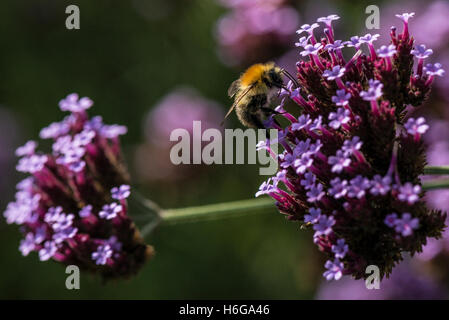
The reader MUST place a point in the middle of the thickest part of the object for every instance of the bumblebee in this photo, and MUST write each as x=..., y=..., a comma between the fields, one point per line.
x=254, y=91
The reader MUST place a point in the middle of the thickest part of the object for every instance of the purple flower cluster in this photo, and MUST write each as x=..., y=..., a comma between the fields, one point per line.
x=255, y=30
x=404, y=225
x=351, y=162
x=72, y=208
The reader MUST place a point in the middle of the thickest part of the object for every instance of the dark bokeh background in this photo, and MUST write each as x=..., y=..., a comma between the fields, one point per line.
x=126, y=57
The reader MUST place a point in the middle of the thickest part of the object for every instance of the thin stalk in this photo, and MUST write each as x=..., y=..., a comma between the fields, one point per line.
x=215, y=211
x=239, y=208
x=435, y=185
x=436, y=170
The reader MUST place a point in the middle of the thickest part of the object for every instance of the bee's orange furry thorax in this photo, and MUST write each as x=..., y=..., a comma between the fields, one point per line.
x=253, y=74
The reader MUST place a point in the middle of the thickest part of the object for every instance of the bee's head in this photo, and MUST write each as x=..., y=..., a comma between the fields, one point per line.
x=275, y=75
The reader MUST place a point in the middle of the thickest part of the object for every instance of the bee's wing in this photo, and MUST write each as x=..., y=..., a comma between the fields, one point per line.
x=227, y=114
x=233, y=88
x=240, y=97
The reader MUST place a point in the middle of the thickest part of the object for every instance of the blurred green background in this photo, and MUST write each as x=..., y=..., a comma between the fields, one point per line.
x=126, y=57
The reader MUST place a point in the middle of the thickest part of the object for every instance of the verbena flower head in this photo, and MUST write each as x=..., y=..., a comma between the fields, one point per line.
x=303, y=41
x=374, y=91
x=307, y=28
x=386, y=51
x=328, y=20
x=355, y=41
x=342, y=116
x=72, y=208
x=311, y=49
x=341, y=98
x=434, y=69
x=421, y=52
x=369, y=38
x=360, y=191
x=416, y=127
x=336, y=72
x=338, y=44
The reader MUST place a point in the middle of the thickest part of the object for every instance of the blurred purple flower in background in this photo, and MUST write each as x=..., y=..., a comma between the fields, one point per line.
x=255, y=30
x=177, y=110
x=404, y=283
x=437, y=154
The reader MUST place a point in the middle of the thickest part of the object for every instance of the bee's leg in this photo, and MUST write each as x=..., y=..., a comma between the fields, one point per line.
x=268, y=111
x=271, y=111
x=269, y=128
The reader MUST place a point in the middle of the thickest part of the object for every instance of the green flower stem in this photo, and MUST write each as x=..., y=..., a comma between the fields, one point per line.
x=216, y=211
x=242, y=207
x=203, y=213
x=436, y=170
x=436, y=184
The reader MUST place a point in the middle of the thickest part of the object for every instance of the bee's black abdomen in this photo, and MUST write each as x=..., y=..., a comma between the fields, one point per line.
x=250, y=113
x=256, y=102
x=251, y=120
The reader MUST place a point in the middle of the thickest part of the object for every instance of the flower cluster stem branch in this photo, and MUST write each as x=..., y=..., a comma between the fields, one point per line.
x=216, y=211
x=438, y=184
x=436, y=170
x=242, y=207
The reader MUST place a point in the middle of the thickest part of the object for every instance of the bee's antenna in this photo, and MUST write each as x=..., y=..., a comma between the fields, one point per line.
x=288, y=75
